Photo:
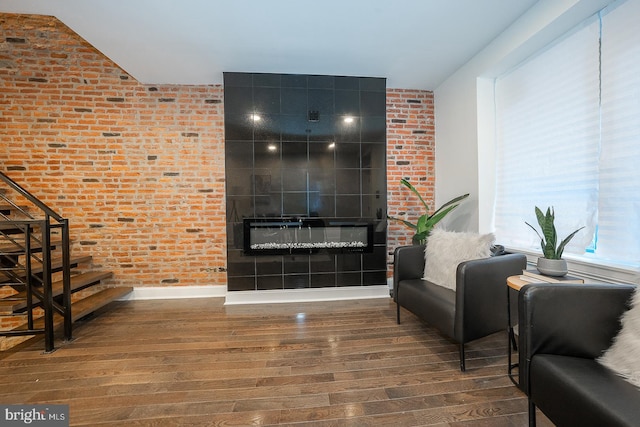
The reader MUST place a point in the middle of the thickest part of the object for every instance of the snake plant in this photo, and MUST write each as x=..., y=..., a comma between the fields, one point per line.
x=549, y=237
x=426, y=222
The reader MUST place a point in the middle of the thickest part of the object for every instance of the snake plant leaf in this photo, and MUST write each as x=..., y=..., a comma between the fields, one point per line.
x=542, y=219
x=534, y=229
x=539, y=236
x=565, y=241
x=546, y=222
x=549, y=237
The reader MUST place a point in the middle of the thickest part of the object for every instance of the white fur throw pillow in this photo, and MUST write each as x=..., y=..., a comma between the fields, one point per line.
x=446, y=249
x=623, y=357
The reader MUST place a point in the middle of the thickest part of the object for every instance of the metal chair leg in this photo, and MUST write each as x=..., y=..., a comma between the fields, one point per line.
x=532, y=413
x=462, y=362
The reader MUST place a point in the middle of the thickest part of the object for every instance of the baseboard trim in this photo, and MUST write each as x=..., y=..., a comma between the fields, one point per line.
x=258, y=297
x=175, y=292
x=306, y=295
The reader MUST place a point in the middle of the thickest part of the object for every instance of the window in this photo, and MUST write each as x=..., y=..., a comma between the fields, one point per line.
x=568, y=136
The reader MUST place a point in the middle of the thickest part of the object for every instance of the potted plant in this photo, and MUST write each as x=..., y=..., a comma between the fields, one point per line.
x=551, y=263
x=426, y=222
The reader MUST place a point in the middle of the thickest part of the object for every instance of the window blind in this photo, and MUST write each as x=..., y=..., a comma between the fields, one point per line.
x=619, y=178
x=568, y=136
x=547, y=142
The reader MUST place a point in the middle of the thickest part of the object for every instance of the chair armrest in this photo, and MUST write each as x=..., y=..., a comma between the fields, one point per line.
x=481, y=295
x=408, y=263
x=568, y=319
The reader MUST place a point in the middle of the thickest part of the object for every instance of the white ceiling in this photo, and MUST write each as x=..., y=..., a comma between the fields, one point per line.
x=415, y=44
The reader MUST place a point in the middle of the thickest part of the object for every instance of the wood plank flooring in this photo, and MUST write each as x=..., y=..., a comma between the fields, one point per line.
x=199, y=363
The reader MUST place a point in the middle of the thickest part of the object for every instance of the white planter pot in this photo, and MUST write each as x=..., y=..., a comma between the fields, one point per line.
x=552, y=267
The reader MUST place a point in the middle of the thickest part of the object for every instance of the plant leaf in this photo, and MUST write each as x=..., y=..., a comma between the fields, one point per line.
x=450, y=202
x=541, y=238
x=407, y=184
x=549, y=238
x=565, y=241
x=422, y=224
x=425, y=222
x=407, y=223
x=538, y=233
x=548, y=231
x=436, y=217
x=420, y=237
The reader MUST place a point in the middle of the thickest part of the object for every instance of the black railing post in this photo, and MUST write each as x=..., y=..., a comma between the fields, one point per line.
x=47, y=304
x=27, y=278
x=66, y=280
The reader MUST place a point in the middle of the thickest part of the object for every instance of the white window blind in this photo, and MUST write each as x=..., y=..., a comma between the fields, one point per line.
x=619, y=201
x=547, y=142
x=568, y=136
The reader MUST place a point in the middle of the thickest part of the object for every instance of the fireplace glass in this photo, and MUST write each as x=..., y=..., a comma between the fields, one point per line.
x=268, y=236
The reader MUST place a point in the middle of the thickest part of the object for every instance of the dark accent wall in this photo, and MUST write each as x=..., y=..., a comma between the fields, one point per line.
x=305, y=146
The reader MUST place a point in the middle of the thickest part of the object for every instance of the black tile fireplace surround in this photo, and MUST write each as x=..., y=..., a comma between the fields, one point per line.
x=303, y=152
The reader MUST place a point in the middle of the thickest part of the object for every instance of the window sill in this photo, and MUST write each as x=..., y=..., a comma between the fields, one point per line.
x=591, y=270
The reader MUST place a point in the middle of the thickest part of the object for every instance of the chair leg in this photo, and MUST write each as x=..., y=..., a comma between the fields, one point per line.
x=462, y=363
x=532, y=413
x=398, y=313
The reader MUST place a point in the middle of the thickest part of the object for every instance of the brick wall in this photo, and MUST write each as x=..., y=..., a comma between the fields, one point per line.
x=139, y=169
x=410, y=155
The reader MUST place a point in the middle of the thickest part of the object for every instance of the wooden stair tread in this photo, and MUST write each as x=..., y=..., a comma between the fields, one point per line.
x=7, y=307
x=7, y=208
x=8, y=229
x=8, y=247
x=8, y=304
x=98, y=300
x=84, y=306
x=10, y=225
x=79, y=281
x=56, y=265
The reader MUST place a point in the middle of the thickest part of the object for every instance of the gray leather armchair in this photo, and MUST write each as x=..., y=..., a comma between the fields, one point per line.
x=563, y=329
x=476, y=309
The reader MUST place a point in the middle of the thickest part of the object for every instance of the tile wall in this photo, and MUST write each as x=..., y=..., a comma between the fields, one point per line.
x=304, y=146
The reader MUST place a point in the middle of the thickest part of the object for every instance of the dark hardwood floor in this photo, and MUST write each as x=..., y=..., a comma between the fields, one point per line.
x=199, y=363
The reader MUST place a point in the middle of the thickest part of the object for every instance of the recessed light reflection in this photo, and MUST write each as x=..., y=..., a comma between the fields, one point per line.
x=256, y=117
x=272, y=147
x=332, y=145
x=301, y=317
x=349, y=119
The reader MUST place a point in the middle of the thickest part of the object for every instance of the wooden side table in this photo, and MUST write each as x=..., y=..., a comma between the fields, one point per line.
x=515, y=283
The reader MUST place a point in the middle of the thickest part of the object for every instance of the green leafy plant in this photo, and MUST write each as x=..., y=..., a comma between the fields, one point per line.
x=426, y=222
x=549, y=237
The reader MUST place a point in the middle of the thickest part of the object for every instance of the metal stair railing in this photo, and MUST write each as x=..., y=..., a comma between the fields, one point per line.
x=51, y=221
x=12, y=267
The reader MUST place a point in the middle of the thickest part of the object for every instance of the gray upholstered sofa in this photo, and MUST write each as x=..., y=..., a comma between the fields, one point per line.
x=476, y=309
x=563, y=329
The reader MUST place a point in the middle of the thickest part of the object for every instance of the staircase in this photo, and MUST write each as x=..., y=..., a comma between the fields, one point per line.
x=40, y=280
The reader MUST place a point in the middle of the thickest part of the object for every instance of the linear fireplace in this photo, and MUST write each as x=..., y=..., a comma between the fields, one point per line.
x=270, y=236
